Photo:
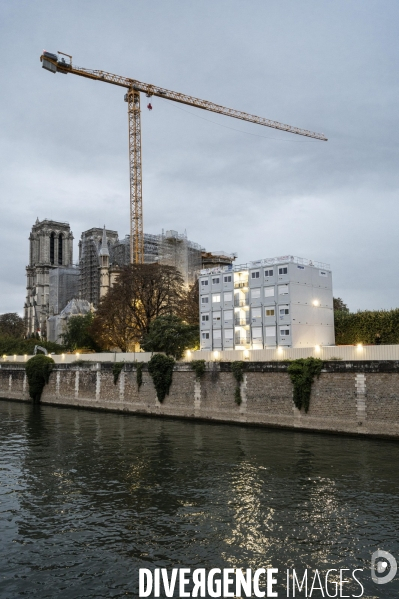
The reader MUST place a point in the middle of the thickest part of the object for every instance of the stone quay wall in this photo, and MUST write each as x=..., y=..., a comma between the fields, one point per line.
x=348, y=397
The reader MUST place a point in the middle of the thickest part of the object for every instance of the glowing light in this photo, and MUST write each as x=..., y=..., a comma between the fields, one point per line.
x=280, y=350
x=246, y=353
x=316, y=303
x=216, y=355
x=77, y=353
x=317, y=348
x=359, y=346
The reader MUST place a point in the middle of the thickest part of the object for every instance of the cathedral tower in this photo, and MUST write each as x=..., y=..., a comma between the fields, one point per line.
x=50, y=246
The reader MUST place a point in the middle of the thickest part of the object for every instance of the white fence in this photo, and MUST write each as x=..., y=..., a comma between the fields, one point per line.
x=340, y=352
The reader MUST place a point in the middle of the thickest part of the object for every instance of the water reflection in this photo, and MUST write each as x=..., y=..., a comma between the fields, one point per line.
x=87, y=498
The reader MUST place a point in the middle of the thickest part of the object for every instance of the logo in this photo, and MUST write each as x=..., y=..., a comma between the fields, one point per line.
x=382, y=561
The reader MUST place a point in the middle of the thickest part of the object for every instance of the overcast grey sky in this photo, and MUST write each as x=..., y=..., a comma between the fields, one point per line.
x=331, y=67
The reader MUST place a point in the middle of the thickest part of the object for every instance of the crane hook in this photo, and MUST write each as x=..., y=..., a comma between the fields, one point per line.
x=149, y=106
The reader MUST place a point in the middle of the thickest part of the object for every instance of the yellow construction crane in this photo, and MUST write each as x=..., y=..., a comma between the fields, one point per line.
x=54, y=64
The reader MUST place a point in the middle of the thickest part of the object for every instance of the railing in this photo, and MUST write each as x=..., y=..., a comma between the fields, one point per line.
x=240, y=284
x=241, y=321
x=242, y=340
x=240, y=303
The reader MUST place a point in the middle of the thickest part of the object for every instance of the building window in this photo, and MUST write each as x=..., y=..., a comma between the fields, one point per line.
x=255, y=293
x=215, y=298
x=256, y=312
x=323, y=273
x=284, y=332
x=283, y=270
x=215, y=280
x=283, y=289
x=301, y=267
x=270, y=312
x=205, y=317
x=269, y=273
x=205, y=335
x=228, y=297
x=52, y=237
x=60, y=249
x=228, y=334
x=255, y=274
x=205, y=299
x=270, y=331
x=269, y=291
x=204, y=282
x=228, y=315
x=257, y=333
x=217, y=334
x=227, y=278
x=217, y=316
x=284, y=311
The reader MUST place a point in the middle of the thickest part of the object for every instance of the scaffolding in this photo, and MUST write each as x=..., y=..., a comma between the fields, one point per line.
x=63, y=286
x=89, y=263
x=185, y=255
x=170, y=249
x=217, y=259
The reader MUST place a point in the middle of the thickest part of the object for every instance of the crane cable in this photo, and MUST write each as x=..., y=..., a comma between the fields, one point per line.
x=293, y=141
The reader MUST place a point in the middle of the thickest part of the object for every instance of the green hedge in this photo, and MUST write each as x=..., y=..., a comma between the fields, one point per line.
x=160, y=368
x=369, y=327
x=11, y=345
x=38, y=370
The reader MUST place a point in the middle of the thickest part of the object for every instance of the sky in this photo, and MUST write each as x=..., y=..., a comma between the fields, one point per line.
x=331, y=67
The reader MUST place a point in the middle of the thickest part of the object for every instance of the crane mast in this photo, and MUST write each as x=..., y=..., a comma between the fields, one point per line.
x=52, y=63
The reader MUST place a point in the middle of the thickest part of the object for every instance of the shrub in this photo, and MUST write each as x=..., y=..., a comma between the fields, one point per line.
x=237, y=368
x=160, y=368
x=116, y=370
x=38, y=370
x=199, y=368
x=139, y=374
x=302, y=373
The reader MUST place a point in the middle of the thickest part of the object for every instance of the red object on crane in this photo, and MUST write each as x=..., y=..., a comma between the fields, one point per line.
x=149, y=106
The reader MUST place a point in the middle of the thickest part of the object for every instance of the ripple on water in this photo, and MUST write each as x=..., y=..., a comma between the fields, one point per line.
x=87, y=498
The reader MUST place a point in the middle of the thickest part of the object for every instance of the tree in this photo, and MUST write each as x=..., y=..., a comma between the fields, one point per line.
x=339, y=305
x=141, y=293
x=190, y=304
x=12, y=325
x=171, y=335
x=113, y=325
x=77, y=333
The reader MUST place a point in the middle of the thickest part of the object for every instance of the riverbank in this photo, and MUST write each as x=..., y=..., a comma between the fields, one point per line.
x=359, y=397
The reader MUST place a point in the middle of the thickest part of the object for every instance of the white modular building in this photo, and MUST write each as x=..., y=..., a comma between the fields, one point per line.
x=284, y=301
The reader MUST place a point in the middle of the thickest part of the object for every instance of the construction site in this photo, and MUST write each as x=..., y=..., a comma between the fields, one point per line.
x=101, y=253
x=54, y=279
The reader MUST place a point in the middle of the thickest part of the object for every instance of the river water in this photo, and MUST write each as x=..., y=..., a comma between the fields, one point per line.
x=87, y=498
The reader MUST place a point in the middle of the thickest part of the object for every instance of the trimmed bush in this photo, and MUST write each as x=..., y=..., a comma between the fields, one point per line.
x=160, y=368
x=38, y=370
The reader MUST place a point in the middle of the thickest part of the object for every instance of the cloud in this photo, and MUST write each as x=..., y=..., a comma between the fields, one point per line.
x=327, y=67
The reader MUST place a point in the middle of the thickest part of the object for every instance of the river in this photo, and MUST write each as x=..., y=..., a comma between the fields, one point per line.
x=87, y=498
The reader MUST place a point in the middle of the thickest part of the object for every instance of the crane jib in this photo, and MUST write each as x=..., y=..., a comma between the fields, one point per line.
x=52, y=63
x=152, y=90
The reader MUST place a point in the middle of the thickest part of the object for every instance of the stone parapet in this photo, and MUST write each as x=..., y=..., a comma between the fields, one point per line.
x=359, y=397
